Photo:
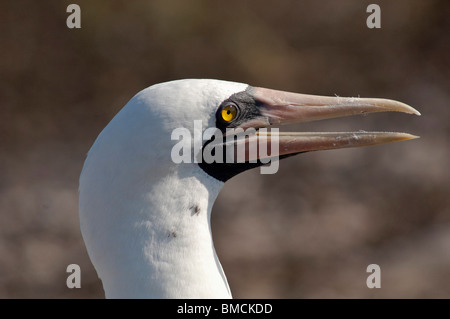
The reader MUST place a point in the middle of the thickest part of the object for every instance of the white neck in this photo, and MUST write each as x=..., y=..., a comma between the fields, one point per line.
x=158, y=243
x=146, y=220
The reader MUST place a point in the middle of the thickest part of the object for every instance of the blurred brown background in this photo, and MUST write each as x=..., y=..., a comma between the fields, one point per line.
x=308, y=231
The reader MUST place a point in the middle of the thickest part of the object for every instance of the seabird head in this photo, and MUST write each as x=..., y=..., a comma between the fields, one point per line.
x=145, y=217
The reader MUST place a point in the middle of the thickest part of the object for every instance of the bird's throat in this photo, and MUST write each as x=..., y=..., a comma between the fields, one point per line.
x=168, y=251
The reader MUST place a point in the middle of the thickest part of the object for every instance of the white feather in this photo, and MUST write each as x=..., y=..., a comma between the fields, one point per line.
x=146, y=220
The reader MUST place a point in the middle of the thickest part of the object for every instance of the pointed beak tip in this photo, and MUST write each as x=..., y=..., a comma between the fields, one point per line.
x=393, y=105
x=413, y=137
x=403, y=137
x=413, y=111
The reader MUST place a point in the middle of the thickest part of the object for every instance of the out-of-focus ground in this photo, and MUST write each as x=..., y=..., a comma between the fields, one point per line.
x=308, y=231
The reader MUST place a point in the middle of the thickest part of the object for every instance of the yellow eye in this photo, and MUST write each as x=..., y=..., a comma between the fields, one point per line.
x=229, y=112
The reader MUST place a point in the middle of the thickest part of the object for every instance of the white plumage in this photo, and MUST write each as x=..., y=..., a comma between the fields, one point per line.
x=137, y=206
x=146, y=220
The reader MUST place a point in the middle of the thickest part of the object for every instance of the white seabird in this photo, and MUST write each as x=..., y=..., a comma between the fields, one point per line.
x=146, y=220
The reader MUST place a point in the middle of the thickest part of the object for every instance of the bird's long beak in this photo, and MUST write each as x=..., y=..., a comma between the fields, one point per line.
x=278, y=107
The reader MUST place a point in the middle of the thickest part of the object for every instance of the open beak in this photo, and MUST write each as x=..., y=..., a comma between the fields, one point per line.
x=278, y=107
